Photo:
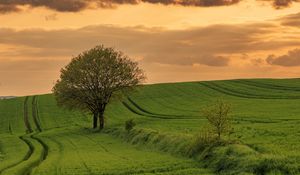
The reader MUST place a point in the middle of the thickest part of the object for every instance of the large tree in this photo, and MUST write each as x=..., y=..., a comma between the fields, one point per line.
x=88, y=82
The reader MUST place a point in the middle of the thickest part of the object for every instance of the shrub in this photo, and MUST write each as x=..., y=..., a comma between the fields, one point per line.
x=204, y=139
x=129, y=125
x=218, y=118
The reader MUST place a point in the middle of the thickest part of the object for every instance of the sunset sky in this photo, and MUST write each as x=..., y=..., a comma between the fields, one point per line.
x=173, y=40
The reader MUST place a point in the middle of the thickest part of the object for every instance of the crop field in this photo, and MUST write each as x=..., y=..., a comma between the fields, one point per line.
x=38, y=137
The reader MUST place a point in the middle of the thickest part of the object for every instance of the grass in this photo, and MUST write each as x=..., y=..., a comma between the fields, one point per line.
x=55, y=141
x=266, y=115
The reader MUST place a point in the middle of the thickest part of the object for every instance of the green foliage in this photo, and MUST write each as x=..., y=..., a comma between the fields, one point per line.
x=218, y=118
x=174, y=144
x=205, y=139
x=88, y=82
x=129, y=125
x=266, y=124
x=70, y=149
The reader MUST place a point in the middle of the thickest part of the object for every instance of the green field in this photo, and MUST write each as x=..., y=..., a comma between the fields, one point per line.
x=37, y=137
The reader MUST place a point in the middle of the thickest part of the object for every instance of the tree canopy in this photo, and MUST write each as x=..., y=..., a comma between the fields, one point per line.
x=88, y=82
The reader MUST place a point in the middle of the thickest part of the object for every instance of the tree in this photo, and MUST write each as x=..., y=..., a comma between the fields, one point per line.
x=218, y=117
x=89, y=81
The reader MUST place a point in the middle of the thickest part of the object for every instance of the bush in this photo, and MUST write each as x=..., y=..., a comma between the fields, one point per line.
x=219, y=119
x=204, y=139
x=129, y=125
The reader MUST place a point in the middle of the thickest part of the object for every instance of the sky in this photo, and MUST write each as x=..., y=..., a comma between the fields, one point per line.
x=173, y=40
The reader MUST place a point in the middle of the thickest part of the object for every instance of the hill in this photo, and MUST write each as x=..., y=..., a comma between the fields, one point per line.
x=6, y=97
x=50, y=140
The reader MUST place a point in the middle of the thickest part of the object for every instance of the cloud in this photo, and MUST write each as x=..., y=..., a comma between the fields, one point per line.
x=202, y=3
x=31, y=64
x=185, y=59
x=292, y=58
x=51, y=17
x=292, y=20
x=153, y=45
x=58, y=5
x=257, y=61
x=211, y=45
x=7, y=6
x=281, y=4
x=204, y=45
x=78, y=5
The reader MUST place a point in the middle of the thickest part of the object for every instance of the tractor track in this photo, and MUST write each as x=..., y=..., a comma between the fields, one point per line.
x=26, y=157
x=142, y=112
x=25, y=117
x=27, y=140
x=230, y=92
x=267, y=86
x=28, y=143
x=36, y=120
x=35, y=114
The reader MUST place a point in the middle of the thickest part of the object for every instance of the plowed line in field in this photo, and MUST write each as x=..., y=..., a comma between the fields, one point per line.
x=26, y=157
x=31, y=148
x=169, y=105
x=26, y=121
x=140, y=111
x=267, y=86
x=231, y=92
x=29, y=145
x=35, y=114
x=38, y=126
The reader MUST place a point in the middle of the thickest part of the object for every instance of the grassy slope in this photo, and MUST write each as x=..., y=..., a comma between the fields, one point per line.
x=266, y=117
x=58, y=142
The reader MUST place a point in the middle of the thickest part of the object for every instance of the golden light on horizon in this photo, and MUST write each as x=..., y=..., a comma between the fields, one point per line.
x=172, y=42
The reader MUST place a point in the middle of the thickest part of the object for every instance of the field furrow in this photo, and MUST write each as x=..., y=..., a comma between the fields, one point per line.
x=246, y=91
x=35, y=114
x=266, y=85
x=12, y=159
x=26, y=120
x=53, y=141
x=37, y=149
x=137, y=109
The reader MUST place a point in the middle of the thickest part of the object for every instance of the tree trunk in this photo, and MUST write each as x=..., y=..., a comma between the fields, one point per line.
x=95, y=121
x=101, y=120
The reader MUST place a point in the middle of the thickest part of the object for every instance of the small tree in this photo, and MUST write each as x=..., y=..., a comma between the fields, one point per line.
x=88, y=82
x=218, y=118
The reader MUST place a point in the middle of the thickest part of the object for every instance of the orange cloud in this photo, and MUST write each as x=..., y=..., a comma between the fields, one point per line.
x=292, y=58
x=210, y=45
x=166, y=55
x=6, y=8
x=279, y=4
x=78, y=5
x=292, y=20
